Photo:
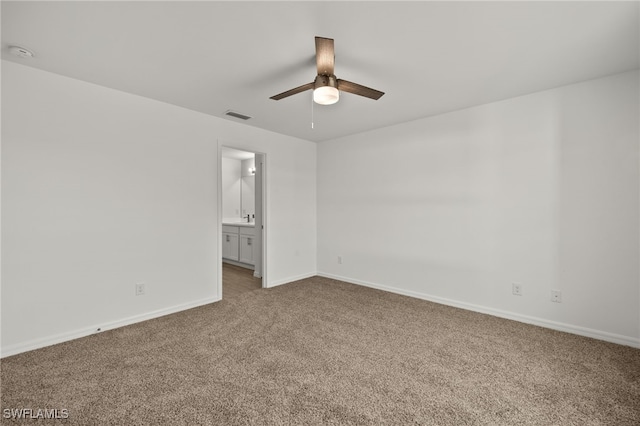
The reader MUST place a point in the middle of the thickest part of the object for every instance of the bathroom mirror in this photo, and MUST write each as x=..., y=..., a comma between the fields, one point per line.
x=248, y=196
x=238, y=185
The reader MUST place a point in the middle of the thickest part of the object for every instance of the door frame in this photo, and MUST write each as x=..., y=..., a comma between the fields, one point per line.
x=264, y=271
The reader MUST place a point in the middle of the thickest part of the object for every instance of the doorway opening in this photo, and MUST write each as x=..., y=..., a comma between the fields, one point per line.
x=242, y=217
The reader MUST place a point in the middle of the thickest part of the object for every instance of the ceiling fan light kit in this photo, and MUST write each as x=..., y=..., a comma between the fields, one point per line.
x=326, y=87
x=325, y=90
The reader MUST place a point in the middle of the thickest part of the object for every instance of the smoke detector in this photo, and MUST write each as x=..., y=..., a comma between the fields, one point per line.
x=21, y=52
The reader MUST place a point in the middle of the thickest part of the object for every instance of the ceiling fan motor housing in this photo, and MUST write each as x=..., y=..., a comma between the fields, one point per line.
x=325, y=80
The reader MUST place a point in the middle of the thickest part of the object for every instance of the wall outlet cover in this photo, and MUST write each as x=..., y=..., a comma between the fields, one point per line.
x=516, y=289
x=140, y=289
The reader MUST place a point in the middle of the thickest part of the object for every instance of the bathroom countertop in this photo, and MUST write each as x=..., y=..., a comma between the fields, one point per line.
x=243, y=224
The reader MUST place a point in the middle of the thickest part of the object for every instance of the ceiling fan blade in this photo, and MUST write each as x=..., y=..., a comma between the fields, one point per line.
x=358, y=89
x=288, y=93
x=325, y=56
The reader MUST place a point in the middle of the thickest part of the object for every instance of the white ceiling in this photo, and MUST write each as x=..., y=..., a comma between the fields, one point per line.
x=429, y=57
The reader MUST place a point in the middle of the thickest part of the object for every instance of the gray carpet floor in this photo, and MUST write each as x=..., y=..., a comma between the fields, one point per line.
x=320, y=351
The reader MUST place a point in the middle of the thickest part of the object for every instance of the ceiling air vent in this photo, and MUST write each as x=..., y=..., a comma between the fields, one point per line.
x=237, y=115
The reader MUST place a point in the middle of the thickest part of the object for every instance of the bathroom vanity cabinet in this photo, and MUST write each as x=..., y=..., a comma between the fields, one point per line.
x=238, y=242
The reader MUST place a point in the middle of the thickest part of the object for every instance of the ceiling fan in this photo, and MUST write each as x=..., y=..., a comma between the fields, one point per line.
x=326, y=87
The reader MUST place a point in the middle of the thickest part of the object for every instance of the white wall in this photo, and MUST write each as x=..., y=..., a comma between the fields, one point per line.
x=249, y=163
x=542, y=190
x=290, y=201
x=102, y=189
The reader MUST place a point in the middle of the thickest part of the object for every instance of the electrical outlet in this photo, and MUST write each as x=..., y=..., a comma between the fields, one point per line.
x=556, y=296
x=516, y=289
x=340, y=260
x=139, y=289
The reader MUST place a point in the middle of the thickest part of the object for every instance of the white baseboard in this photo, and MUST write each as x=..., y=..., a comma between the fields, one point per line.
x=291, y=279
x=541, y=322
x=240, y=264
x=76, y=334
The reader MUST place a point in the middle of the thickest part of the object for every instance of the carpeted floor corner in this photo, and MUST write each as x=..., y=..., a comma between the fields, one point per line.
x=320, y=351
